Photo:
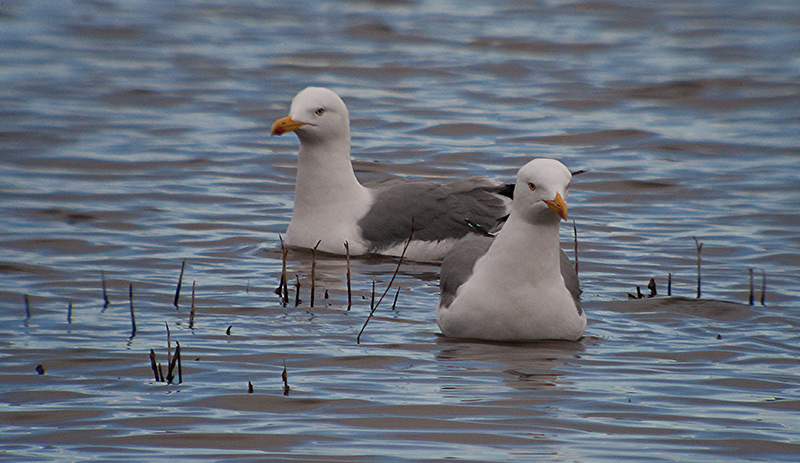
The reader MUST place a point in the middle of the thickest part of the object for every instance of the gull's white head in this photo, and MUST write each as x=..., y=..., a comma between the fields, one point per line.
x=541, y=191
x=317, y=115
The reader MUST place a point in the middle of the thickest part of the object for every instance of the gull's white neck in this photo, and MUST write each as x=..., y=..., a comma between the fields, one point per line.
x=328, y=199
x=531, y=249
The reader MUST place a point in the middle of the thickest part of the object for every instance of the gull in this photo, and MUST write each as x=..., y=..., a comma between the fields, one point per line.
x=332, y=207
x=518, y=286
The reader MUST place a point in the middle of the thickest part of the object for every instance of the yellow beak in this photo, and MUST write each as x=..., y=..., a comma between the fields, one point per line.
x=558, y=206
x=285, y=124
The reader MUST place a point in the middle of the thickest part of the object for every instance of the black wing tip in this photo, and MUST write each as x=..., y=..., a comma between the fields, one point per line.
x=507, y=190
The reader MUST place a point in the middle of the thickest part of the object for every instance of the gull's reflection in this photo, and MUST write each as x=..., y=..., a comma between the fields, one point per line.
x=523, y=366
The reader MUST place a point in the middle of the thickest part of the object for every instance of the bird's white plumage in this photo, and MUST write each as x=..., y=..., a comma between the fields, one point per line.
x=331, y=206
x=329, y=200
x=516, y=291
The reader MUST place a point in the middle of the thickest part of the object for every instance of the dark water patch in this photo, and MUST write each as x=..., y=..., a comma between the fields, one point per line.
x=100, y=32
x=532, y=46
x=462, y=130
x=719, y=94
x=590, y=138
x=143, y=97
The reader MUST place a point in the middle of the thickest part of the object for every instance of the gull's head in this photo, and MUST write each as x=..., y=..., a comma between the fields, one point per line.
x=541, y=190
x=317, y=114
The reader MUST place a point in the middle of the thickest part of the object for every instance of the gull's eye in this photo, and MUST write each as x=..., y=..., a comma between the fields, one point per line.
x=531, y=186
x=319, y=111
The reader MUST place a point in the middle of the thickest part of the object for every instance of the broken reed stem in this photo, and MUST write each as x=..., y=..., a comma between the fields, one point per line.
x=249, y=387
x=372, y=299
x=349, y=290
x=180, y=282
x=763, y=287
x=285, y=378
x=394, y=275
x=172, y=363
x=69, y=313
x=191, y=311
x=27, y=307
x=106, y=302
x=699, y=247
x=669, y=284
x=283, y=288
x=314, y=270
x=575, y=241
x=394, y=303
x=133, y=315
x=178, y=354
x=296, y=290
x=153, y=365
x=169, y=345
x=750, y=297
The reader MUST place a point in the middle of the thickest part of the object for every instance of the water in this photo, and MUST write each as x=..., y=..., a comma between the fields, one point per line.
x=133, y=135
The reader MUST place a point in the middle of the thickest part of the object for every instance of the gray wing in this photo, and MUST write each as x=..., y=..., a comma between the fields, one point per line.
x=439, y=211
x=460, y=260
x=571, y=280
x=458, y=264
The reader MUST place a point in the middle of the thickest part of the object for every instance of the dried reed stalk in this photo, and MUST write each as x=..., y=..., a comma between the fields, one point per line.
x=285, y=378
x=191, y=311
x=349, y=289
x=699, y=247
x=180, y=283
x=575, y=245
x=133, y=315
x=106, y=302
x=314, y=270
x=394, y=275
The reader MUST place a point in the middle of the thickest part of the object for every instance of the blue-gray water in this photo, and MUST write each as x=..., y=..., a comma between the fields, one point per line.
x=134, y=135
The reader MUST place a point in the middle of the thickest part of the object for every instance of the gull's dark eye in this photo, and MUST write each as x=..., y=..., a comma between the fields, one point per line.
x=319, y=111
x=531, y=186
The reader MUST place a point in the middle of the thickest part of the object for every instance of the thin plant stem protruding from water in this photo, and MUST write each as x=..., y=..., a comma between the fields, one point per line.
x=669, y=284
x=133, y=314
x=349, y=289
x=173, y=363
x=575, y=240
x=69, y=313
x=394, y=303
x=285, y=378
x=169, y=345
x=106, y=302
x=296, y=290
x=699, y=247
x=27, y=307
x=283, y=287
x=314, y=270
x=372, y=299
x=180, y=368
x=373, y=308
x=763, y=287
x=191, y=311
x=750, y=296
x=153, y=365
x=180, y=283
x=249, y=387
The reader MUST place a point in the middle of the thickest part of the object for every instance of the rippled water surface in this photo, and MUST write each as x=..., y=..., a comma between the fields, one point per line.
x=134, y=136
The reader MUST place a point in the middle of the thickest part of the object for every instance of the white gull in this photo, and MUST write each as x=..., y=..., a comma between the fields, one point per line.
x=518, y=286
x=331, y=206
